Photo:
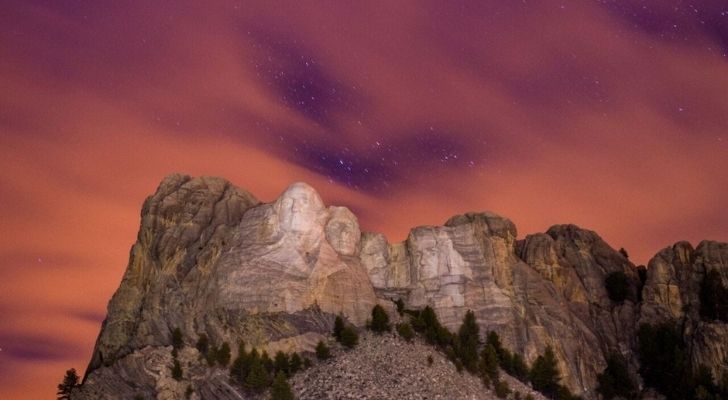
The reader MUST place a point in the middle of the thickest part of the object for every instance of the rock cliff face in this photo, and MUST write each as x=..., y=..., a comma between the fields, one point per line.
x=211, y=259
x=545, y=290
x=672, y=294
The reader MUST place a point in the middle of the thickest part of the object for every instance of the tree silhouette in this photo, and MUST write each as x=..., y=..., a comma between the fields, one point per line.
x=176, y=370
x=281, y=390
x=405, y=331
x=177, y=341
x=257, y=379
x=223, y=355
x=203, y=344
x=623, y=252
x=468, y=344
x=615, y=381
x=380, y=320
x=70, y=380
x=295, y=363
x=489, y=363
x=519, y=369
x=281, y=363
x=545, y=373
x=400, y=306
x=322, y=351
x=349, y=337
x=338, y=327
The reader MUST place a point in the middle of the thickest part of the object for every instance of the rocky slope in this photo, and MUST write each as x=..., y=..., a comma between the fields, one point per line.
x=210, y=259
x=387, y=367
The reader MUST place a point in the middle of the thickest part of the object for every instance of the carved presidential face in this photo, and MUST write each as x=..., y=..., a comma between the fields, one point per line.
x=299, y=208
x=342, y=231
x=428, y=256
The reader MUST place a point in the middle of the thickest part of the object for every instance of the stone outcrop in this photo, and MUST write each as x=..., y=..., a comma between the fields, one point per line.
x=545, y=290
x=211, y=259
x=672, y=294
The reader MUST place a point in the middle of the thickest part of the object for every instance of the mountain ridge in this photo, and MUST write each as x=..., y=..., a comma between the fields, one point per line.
x=211, y=259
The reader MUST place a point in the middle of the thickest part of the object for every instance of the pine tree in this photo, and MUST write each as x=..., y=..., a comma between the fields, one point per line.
x=623, y=252
x=489, y=362
x=380, y=320
x=177, y=341
x=505, y=358
x=400, y=306
x=267, y=362
x=257, y=378
x=545, y=373
x=443, y=336
x=296, y=363
x=501, y=389
x=70, y=380
x=223, y=355
x=281, y=364
x=322, y=351
x=203, y=344
x=615, y=380
x=176, y=370
x=664, y=359
x=338, y=327
x=519, y=368
x=211, y=356
x=468, y=344
x=281, y=390
x=494, y=340
x=428, y=324
x=429, y=317
x=405, y=331
x=241, y=364
x=349, y=337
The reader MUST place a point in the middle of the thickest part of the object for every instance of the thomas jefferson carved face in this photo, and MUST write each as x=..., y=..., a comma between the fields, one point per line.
x=342, y=231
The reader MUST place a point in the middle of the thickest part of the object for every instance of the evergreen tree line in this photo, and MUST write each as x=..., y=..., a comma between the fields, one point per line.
x=665, y=366
x=663, y=355
x=213, y=355
x=465, y=351
x=255, y=371
x=344, y=334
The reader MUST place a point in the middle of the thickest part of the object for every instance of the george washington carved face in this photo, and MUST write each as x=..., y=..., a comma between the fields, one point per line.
x=298, y=208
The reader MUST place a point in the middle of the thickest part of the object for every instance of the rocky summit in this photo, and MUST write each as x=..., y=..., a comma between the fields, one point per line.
x=212, y=261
